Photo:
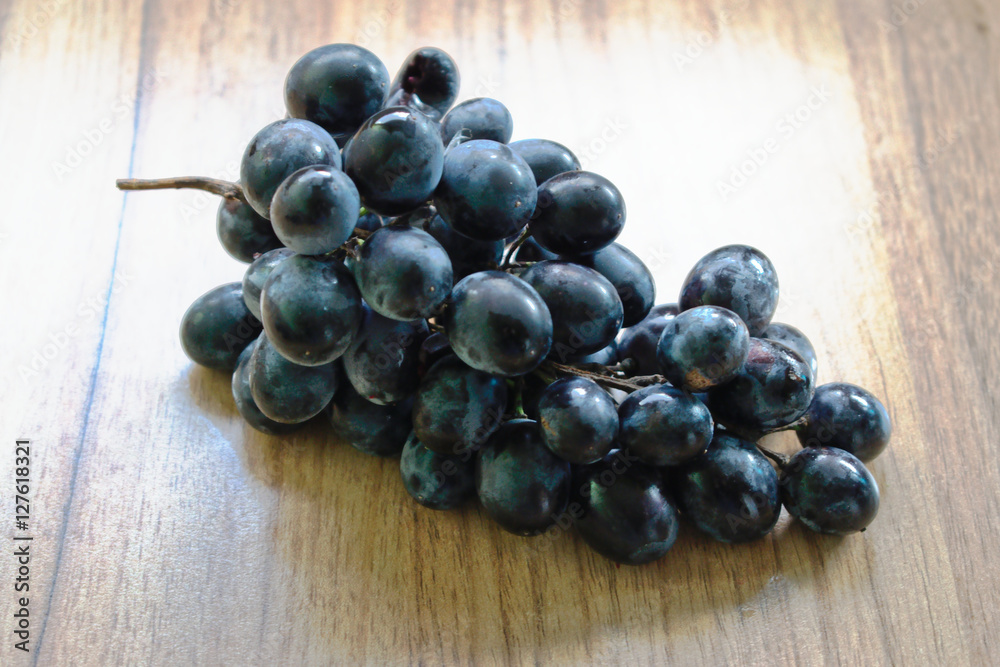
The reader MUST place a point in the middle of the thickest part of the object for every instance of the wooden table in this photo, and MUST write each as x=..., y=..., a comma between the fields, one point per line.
x=855, y=142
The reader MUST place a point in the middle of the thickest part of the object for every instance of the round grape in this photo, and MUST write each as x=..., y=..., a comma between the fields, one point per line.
x=379, y=430
x=287, y=392
x=482, y=117
x=257, y=274
x=242, y=232
x=736, y=277
x=382, y=361
x=664, y=426
x=437, y=481
x=577, y=212
x=545, y=158
x=217, y=327
x=578, y=420
x=702, y=348
x=829, y=490
x=847, y=417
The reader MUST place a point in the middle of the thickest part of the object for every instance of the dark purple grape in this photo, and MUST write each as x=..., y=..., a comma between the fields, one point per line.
x=427, y=81
x=730, y=492
x=287, y=392
x=457, y=407
x=521, y=484
x=337, y=86
x=245, y=404
x=315, y=210
x=625, y=511
x=578, y=420
x=278, y=151
x=311, y=309
x=403, y=273
x=639, y=342
x=664, y=426
x=497, y=323
x=467, y=255
x=702, y=348
x=217, y=327
x=577, y=212
x=585, y=308
x=437, y=481
x=482, y=117
x=773, y=389
x=792, y=338
x=486, y=192
x=829, y=490
x=847, y=417
x=546, y=158
x=379, y=430
x=632, y=280
x=736, y=277
x=257, y=274
x=383, y=360
x=242, y=232
x=395, y=160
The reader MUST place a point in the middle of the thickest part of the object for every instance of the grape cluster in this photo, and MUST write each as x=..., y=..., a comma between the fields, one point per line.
x=459, y=301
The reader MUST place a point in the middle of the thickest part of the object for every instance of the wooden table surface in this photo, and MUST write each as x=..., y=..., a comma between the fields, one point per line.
x=855, y=142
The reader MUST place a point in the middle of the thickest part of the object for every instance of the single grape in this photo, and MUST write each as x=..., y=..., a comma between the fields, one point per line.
x=664, y=426
x=379, y=430
x=217, y=327
x=486, y=192
x=585, y=308
x=792, y=338
x=483, y=117
x=467, y=255
x=287, y=392
x=730, y=492
x=427, y=81
x=337, y=86
x=277, y=152
x=395, y=160
x=457, y=407
x=625, y=510
x=403, y=273
x=578, y=420
x=311, y=309
x=257, y=274
x=437, y=481
x=632, y=280
x=546, y=158
x=369, y=222
x=521, y=484
x=829, y=490
x=577, y=212
x=315, y=210
x=639, y=342
x=771, y=390
x=736, y=277
x=847, y=417
x=530, y=251
x=242, y=232
x=702, y=348
x=245, y=404
x=382, y=361
x=497, y=323
x=433, y=348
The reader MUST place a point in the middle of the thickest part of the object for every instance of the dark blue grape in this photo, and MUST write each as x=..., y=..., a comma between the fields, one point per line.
x=702, y=348
x=278, y=151
x=530, y=251
x=427, y=81
x=606, y=356
x=771, y=390
x=847, y=417
x=457, y=407
x=578, y=419
x=395, y=160
x=736, y=277
x=486, y=192
x=829, y=490
x=311, y=309
x=632, y=280
x=257, y=274
x=467, y=255
x=792, y=338
x=403, y=273
x=369, y=222
x=730, y=492
x=337, y=86
x=482, y=117
x=625, y=511
x=383, y=360
x=585, y=308
x=546, y=158
x=315, y=210
x=577, y=212
x=664, y=426
x=379, y=430
x=217, y=327
x=521, y=484
x=242, y=232
x=433, y=348
x=498, y=324
x=245, y=404
x=287, y=392
x=639, y=342
x=437, y=481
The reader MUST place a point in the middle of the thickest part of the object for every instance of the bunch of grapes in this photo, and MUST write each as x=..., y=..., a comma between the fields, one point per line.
x=458, y=301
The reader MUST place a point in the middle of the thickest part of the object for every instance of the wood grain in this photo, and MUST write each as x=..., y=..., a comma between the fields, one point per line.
x=166, y=532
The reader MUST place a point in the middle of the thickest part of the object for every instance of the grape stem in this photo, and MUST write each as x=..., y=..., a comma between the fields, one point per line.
x=780, y=459
x=525, y=235
x=216, y=186
x=607, y=379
